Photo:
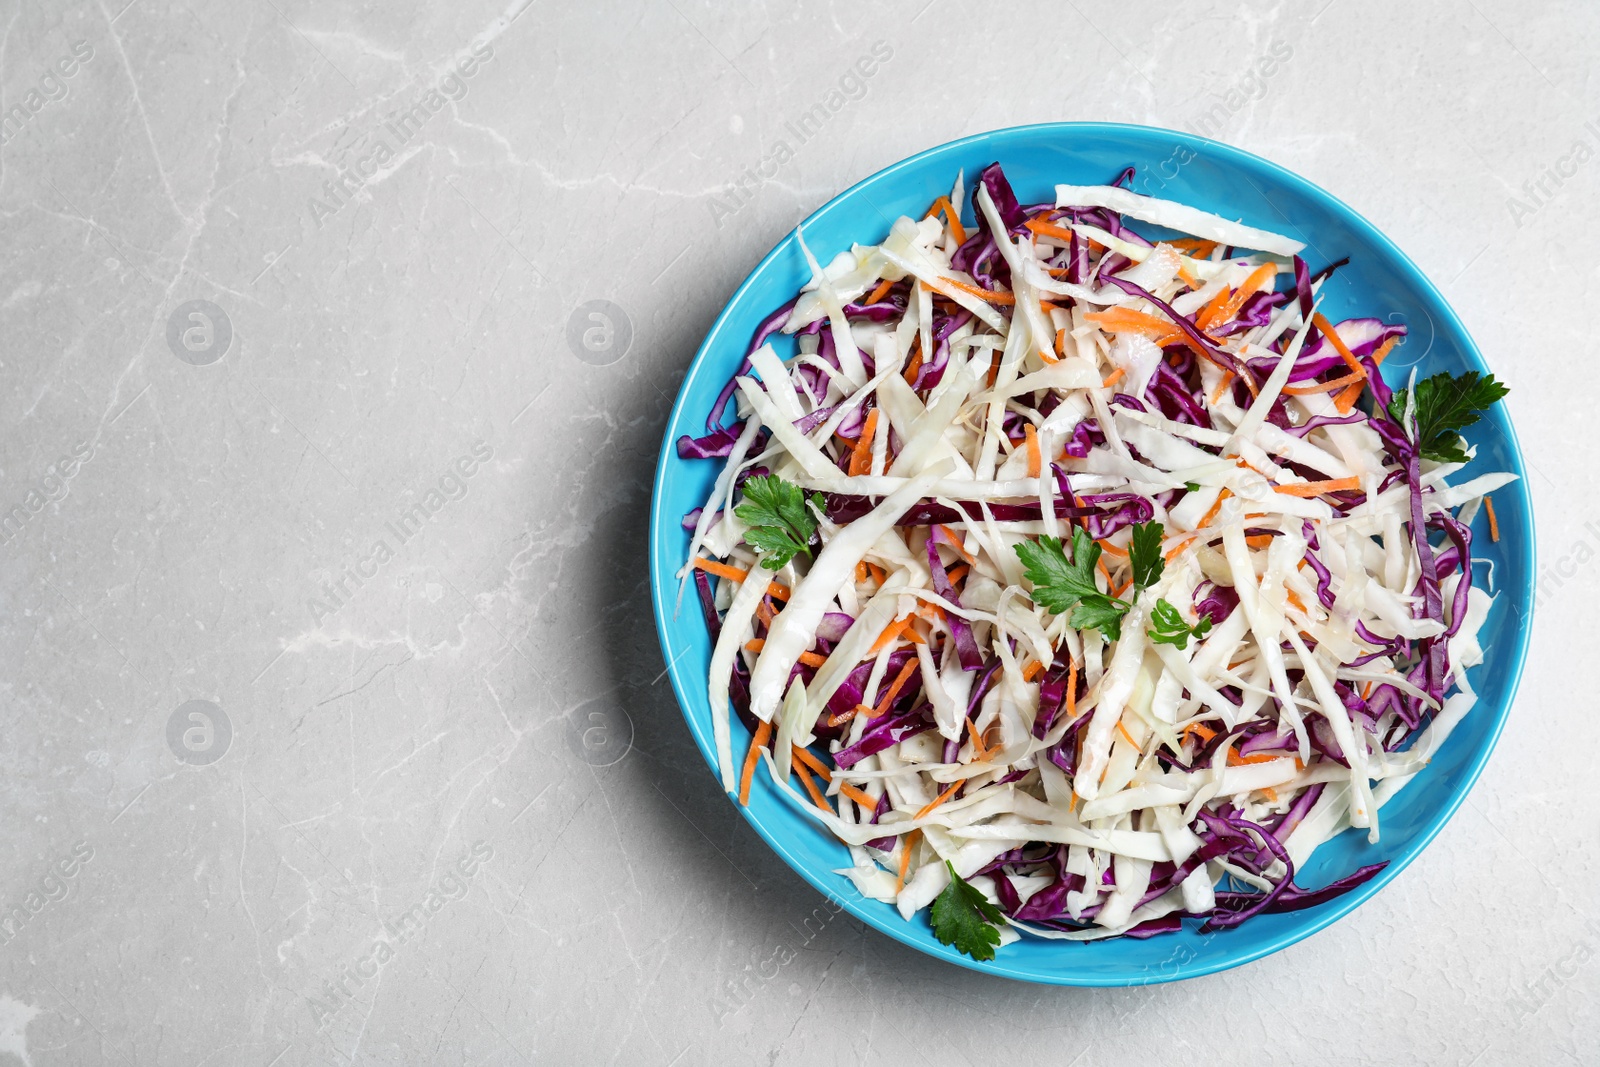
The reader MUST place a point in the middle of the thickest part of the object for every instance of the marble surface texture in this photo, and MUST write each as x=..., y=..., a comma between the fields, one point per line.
x=333, y=728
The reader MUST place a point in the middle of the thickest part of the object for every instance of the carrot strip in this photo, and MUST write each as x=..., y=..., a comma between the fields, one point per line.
x=1311, y=489
x=1112, y=549
x=1324, y=387
x=1049, y=229
x=1206, y=521
x=880, y=292
x=1127, y=320
x=1259, y=541
x=956, y=543
x=805, y=755
x=956, y=573
x=1123, y=730
x=1384, y=350
x=894, y=690
x=879, y=575
x=1236, y=760
x=890, y=633
x=952, y=217
x=1173, y=552
x=979, y=749
x=738, y=574
x=1061, y=343
x=1222, y=386
x=861, y=456
x=1206, y=733
x=1188, y=279
x=1031, y=671
x=1494, y=523
x=862, y=798
x=811, y=787
x=946, y=795
x=914, y=362
x=841, y=719
x=763, y=732
x=1114, y=377
x=1347, y=399
x=1271, y=794
x=1072, y=691
x=1035, y=460
x=810, y=659
x=1257, y=281
x=1338, y=344
x=982, y=294
x=905, y=860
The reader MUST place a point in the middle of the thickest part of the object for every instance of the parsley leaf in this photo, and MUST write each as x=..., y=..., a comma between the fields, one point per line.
x=1059, y=583
x=1446, y=404
x=779, y=523
x=1193, y=487
x=1144, y=554
x=1100, y=612
x=1168, y=628
x=963, y=917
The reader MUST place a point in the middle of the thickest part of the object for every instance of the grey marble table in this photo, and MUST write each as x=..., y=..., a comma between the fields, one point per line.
x=334, y=723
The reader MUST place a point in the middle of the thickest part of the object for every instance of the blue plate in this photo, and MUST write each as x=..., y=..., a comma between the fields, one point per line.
x=1380, y=281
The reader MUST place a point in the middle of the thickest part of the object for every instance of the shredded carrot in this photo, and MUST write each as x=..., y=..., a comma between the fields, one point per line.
x=1259, y=541
x=844, y=717
x=763, y=732
x=1050, y=229
x=1311, y=489
x=1114, y=377
x=1188, y=279
x=914, y=361
x=1031, y=671
x=1061, y=343
x=956, y=543
x=811, y=787
x=764, y=613
x=894, y=689
x=1338, y=344
x=1271, y=794
x=862, y=798
x=880, y=292
x=810, y=659
x=991, y=296
x=956, y=573
x=1290, y=596
x=1211, y=314
x=1236, y=760
x=1181, y=545
x=906, y=844
x=1323, y=387
x=1127, y=320
x=1206, y=733
x=942, y=797
x=1257, y=281
x=1222, y=386
x=890, y=634
x=979, y=749
x=994, y=368
x=1383, y=350
x=879, y=575
x=1347, y=399
x=951, y=217
x=1494, y=523
x=861, y=457
x=1206, y=521
x=861, y=571
x=1072, y=691
x=806, y=756
x=1035, y=460
x=738, y=574
x=1112, y=549
x=1123, y=730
